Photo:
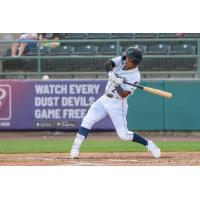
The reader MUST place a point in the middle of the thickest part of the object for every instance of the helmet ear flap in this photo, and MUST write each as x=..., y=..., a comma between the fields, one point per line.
x=136, y=62
x=123, y=56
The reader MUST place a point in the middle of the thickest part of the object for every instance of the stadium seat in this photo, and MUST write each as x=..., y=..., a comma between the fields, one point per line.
x=98, y=35
x=62, y=36
x=7, y=52
x=158, y=49
x=192, y=35
x=167, y=35
x=85, y=50
x=140, y=46
x=145, y=35
x=34, y=51
x=121, y=35
x=75, y=36
x=110, y=49
x=62, y=50
x=183, y=49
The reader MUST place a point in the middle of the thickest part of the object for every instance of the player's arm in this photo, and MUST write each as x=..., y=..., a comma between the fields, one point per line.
x=109, y=65
x=122, y=93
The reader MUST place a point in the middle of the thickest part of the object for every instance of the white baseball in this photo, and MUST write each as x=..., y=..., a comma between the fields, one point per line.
x=45, y=77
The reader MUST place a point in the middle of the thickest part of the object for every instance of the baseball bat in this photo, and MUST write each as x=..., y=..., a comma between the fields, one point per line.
x=151, y=90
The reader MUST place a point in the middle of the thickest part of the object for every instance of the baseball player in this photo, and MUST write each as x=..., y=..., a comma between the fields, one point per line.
x=114, y=102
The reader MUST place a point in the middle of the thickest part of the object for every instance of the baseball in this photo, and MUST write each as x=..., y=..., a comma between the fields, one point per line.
x=45, y=77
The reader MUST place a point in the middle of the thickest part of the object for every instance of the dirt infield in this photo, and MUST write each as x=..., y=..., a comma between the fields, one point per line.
x=101, y=159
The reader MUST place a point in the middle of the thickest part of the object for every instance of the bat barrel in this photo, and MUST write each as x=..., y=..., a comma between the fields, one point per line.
x=158, y=92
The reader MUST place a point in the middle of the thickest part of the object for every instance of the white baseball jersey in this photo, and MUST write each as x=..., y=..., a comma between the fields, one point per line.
x=112, y=104
x=131, y=76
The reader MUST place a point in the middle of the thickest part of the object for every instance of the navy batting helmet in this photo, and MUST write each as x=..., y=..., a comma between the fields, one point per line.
x=134, y=54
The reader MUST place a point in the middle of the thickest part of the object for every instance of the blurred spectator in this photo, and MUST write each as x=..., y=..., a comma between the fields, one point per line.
x=45, y=38
x=26, y=40
x=180, y=35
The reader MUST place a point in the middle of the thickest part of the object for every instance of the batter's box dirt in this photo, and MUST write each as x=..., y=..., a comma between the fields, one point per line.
x=102, y=159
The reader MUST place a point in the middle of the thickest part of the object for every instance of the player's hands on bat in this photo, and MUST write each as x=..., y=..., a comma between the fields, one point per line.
x=118, y=81
x=112, y=76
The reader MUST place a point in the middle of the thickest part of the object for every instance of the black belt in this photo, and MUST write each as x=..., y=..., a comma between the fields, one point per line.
x=109, y=95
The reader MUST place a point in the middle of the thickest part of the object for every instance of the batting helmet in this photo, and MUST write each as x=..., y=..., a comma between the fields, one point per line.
x=134, y=54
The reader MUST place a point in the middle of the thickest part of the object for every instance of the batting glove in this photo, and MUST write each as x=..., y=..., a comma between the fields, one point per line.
x=118, y=81
x=112, y=76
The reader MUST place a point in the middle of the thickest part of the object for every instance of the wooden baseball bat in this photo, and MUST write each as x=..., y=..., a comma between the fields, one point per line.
x=152, y=90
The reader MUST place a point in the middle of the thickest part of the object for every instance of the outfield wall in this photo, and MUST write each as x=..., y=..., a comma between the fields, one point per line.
x=151, y=112
x=61, y=105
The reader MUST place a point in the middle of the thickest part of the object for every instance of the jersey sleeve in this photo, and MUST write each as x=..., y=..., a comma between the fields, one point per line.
x=135, y=80
x=118, y=61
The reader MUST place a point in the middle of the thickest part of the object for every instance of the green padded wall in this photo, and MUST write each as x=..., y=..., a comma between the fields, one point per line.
x=152, y=112
x=183, y=112
x=145, y=109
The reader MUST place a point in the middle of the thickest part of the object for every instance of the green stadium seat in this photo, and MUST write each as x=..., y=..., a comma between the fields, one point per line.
x=145, y=35
x=34, y=51
x=98, y=35
x=167, y=35
x=142, y=47
x=7, y=52
x=62, y=36
x=121, y=35
x=62, y=50
x=158, y=49
x=110, y=49
x=192, y=35
x=85, y=50
x=183, y=49
x=73, y=36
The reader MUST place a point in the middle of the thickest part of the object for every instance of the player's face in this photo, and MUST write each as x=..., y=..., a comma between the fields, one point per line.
x=128, y=63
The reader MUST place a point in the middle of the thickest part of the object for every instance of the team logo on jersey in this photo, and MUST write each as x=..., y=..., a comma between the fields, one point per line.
x=118, y=76
x=5, y=102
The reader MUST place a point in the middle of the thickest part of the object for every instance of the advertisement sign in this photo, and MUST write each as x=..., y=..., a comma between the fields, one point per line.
x=49, y=105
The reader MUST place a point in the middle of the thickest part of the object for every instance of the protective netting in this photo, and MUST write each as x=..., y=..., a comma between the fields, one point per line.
x=84, y=52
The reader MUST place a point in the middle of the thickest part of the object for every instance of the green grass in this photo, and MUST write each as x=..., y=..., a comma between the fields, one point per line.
x=50, y=146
